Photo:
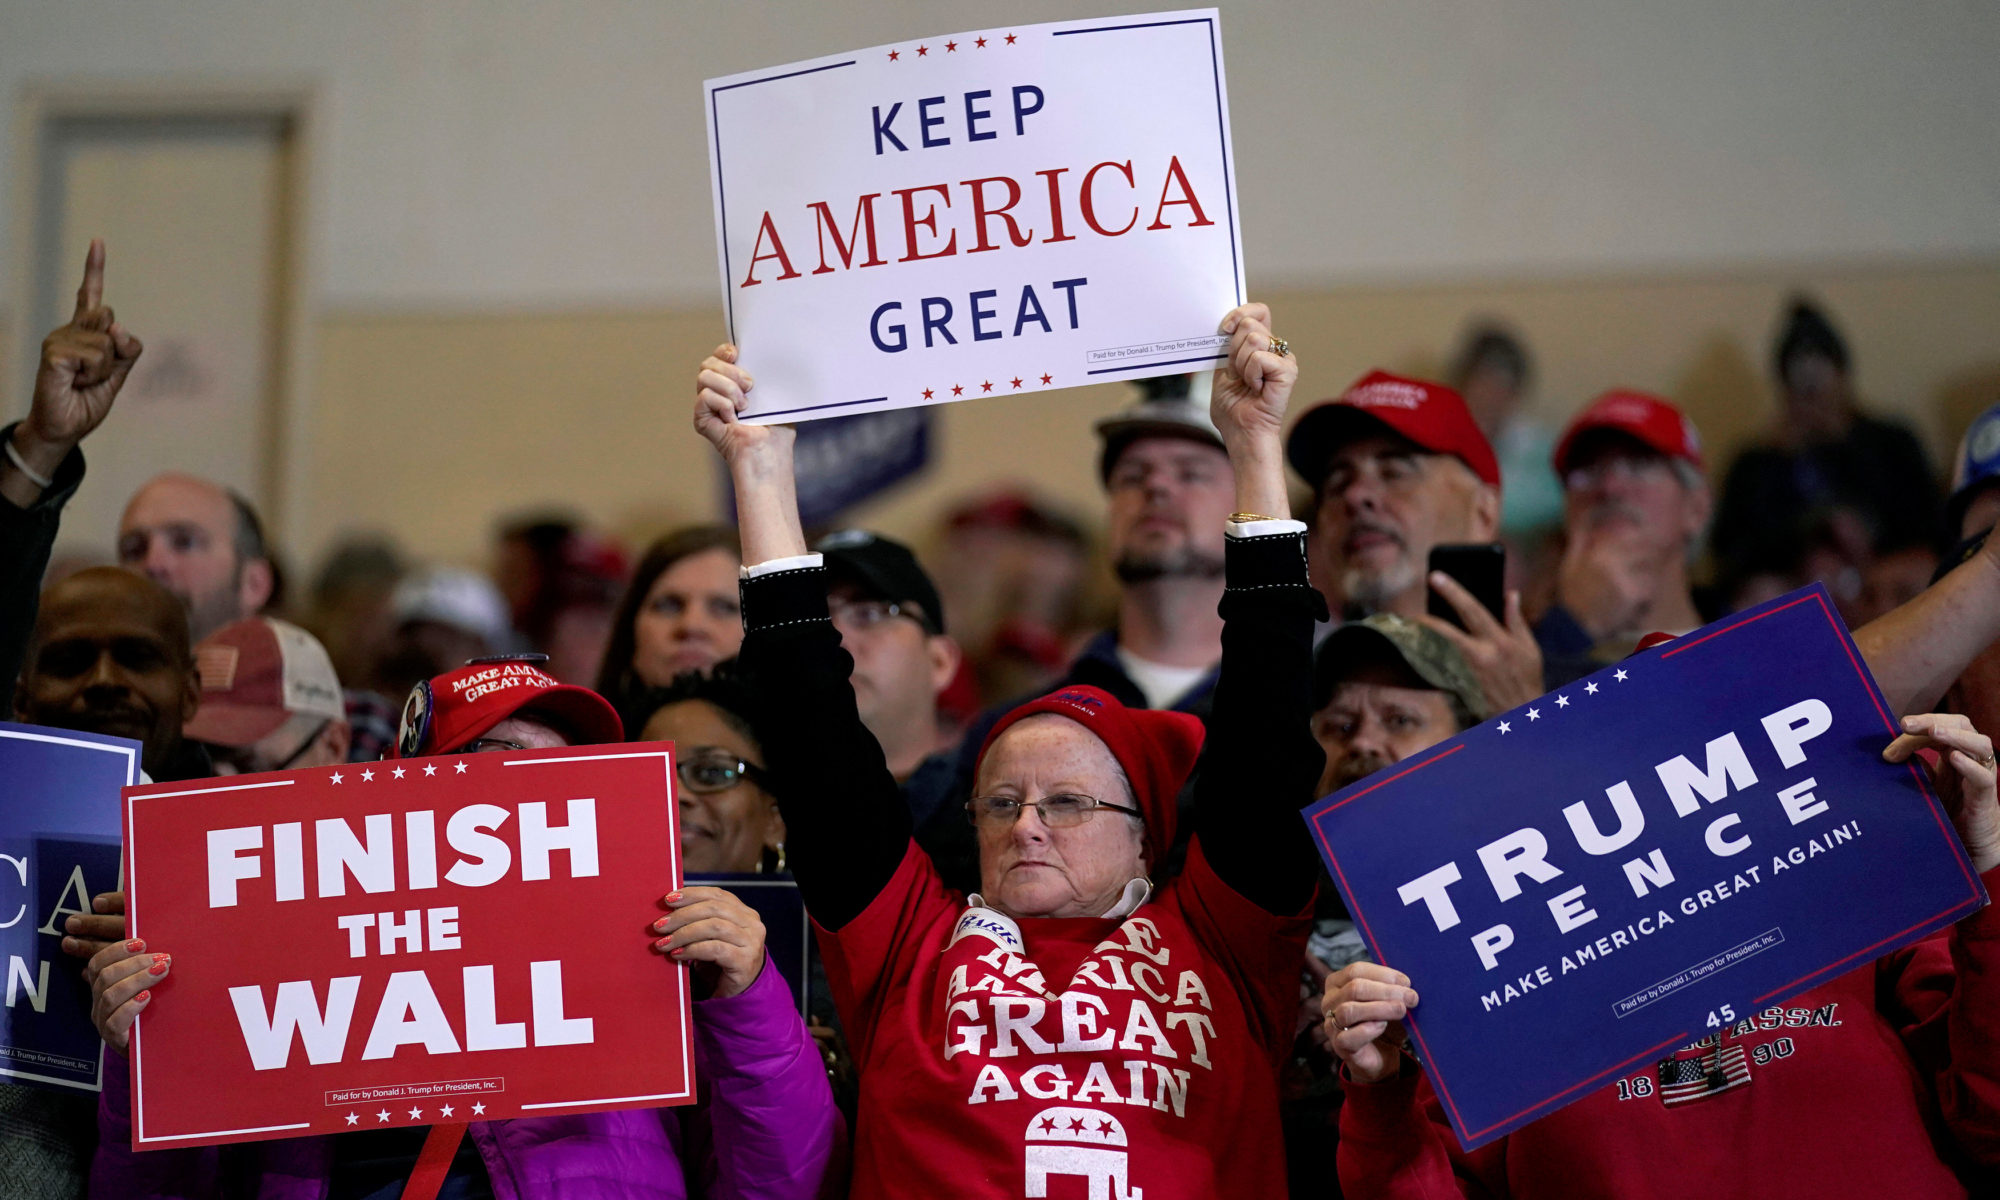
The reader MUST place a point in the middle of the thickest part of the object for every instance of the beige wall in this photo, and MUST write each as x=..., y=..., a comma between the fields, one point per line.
x=431, y=426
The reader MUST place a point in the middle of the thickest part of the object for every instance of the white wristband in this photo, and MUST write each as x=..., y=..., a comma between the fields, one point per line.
x=14, y=456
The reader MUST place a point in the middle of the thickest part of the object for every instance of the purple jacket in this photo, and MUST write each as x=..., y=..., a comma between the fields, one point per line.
x=770, y=1131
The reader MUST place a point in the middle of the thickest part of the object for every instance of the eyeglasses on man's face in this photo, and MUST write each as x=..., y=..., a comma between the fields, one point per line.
x=864, y=615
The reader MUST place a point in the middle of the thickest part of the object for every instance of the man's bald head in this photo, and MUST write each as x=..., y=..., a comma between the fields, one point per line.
x=201, y=542
x=111, y=654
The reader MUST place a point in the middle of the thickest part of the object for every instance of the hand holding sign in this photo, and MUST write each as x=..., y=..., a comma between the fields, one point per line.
x=93, y=931
x=122, y=976
x=717, y=934
x=1967, y=789
x=722, y=390
x=1365, y=1004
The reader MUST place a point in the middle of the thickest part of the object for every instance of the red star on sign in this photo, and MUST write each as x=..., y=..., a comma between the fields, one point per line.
x=927, y=393
x=1010, y=39
x=922, y=51
x=957, y=390
x=894, y=55
x=1017, y=381
x=987, y=386
x=979, y=42
x=951, y=47
x=1045, y=380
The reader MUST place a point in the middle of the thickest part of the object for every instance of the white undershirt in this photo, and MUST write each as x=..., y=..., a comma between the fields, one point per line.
x=1158, y=682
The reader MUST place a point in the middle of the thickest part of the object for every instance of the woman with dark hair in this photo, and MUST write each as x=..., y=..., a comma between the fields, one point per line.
x=680, y=614
x=729, y=819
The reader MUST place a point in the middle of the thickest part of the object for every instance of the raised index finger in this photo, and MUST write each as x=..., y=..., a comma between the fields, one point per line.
x=90, y=294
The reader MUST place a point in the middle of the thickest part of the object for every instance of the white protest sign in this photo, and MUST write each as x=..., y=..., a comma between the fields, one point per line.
x=977, y=214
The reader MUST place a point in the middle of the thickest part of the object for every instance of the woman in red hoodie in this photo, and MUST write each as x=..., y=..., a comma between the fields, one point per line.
x=1067, y=1029
x=1883, y=1082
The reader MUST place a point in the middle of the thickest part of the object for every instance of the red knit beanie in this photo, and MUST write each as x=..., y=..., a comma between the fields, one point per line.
x=1156, y=749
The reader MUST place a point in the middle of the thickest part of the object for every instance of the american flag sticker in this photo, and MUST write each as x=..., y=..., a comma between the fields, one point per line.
x=1705, y=1072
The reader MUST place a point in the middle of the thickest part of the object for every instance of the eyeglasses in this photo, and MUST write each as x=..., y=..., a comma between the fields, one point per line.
x=867, y=614
x=1057, y=812
x=1618, y=466
x=710, y=769
x=489, y=746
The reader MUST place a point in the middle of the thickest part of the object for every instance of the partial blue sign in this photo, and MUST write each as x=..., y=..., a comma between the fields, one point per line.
x=841, y=461
x=1642, y=858
x=60, y=823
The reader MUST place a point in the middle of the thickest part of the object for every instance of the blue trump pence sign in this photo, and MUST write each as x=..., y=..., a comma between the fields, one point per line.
x=1642, y=858
x=59, y=846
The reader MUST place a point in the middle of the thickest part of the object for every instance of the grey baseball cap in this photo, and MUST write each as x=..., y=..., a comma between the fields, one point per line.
x=1425, y=651
x=1169, y=406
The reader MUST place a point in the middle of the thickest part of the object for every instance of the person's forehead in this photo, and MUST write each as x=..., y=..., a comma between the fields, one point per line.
x=1597, y=445
x=696, y=722
x=1375, y=445
x=106, y=605
x=178, y=500
x=1170, y=450
x=512, y=727
x=700, y=570
x=1048, y=742
x=1379, y=685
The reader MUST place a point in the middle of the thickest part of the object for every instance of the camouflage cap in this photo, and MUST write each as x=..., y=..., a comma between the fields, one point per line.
x=1425, y=651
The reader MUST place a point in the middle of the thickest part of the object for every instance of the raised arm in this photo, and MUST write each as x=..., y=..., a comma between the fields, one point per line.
x=1261, y=763
x=83, y=365
x=846, y=828
x=1916, y=649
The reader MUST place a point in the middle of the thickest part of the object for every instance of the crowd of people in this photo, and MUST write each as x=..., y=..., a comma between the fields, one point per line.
x=1071, y=932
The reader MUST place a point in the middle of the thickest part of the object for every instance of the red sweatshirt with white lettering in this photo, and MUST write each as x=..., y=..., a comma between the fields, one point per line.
x=1883, y=1082
x=1061, y=1057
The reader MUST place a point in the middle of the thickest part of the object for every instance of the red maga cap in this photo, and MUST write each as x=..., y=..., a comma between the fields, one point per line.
x=452, y=709
x=1429, y=414
x=1649, y=419
x=1156, y=749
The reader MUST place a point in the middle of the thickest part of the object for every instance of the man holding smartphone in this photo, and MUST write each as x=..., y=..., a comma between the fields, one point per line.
x=1398, y=467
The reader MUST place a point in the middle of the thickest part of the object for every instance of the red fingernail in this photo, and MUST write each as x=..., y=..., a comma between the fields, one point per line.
x=135, y=945
x=677, y=950
x=660, y=926
x=673, y=896
x=144, y=996
x=160, y=962
x=663, y=943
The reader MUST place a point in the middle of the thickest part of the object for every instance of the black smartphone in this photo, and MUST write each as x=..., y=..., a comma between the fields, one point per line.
x=1479, y=568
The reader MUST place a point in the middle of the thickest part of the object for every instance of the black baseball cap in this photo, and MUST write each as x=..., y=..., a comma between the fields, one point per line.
x=882, y=570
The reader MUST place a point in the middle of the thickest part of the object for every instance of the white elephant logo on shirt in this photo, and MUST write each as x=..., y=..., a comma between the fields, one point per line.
x=1078, y=1141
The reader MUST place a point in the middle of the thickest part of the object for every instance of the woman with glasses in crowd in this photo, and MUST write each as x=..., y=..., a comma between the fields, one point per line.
x=1068, y=1019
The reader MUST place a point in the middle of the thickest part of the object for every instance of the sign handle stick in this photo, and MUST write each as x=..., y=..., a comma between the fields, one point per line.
x=433, y=1162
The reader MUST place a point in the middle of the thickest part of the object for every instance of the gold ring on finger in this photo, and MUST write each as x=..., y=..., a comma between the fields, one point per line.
x=1279, y=346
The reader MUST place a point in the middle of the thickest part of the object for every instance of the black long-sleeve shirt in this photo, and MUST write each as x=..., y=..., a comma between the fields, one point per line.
x=847, y=829
x=26, y=537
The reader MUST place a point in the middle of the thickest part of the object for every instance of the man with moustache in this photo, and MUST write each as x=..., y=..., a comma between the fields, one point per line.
x=1169, y=489
x=1398, y=466
x=1384, y=688
x=1635, y=501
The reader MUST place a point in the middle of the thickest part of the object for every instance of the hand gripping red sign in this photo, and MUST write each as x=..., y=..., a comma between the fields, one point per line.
x=406, y=943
